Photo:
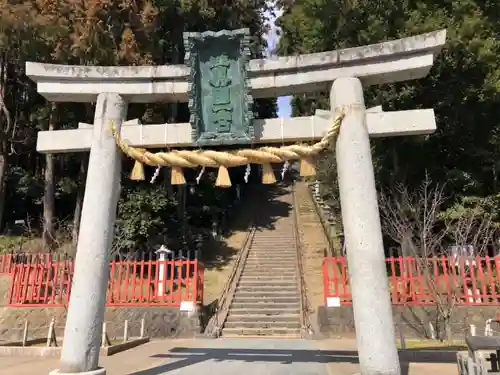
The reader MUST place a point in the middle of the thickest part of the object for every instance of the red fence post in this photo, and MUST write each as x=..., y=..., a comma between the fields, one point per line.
x=326, y=280
x=201, y=283
x=468, y=281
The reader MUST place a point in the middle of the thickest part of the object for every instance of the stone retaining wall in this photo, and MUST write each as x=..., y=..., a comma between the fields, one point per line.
x=412, y=321
x=160, y=322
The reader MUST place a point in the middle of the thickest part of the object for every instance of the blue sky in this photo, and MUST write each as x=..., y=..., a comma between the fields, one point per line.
x=284, y=108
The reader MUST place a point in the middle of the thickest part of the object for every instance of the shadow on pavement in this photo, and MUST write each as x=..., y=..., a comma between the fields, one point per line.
x=184, y=357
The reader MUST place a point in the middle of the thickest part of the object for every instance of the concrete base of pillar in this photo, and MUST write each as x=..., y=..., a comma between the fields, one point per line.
x=99, y=371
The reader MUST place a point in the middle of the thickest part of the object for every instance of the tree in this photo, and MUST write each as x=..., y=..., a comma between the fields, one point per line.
x=19, y=103
x=48, y=235
x=425, y=232
x=466, y=143
x=98, y=32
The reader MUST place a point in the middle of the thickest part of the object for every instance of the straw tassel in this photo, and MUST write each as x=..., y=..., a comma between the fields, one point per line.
x=223, y=179
x=268, y=176
x=138, y=172
x=177, y=176
x=307, y=167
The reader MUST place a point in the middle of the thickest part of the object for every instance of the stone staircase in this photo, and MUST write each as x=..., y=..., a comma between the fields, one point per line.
x=267, y=299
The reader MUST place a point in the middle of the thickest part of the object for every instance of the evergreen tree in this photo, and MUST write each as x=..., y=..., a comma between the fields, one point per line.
x=97, y=32
x=462, y=86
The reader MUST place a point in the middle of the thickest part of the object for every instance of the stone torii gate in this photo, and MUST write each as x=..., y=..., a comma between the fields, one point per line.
x=343, y=72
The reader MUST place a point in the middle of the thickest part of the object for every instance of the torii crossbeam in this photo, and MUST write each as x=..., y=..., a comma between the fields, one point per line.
x=275, y=131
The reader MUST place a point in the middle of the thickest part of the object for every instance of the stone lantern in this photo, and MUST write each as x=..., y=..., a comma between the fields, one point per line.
x=162, y=254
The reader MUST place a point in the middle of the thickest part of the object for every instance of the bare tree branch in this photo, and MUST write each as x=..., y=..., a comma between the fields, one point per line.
x=423, y=230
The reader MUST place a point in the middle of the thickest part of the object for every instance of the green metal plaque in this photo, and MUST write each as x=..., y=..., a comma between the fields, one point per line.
x=220, y=99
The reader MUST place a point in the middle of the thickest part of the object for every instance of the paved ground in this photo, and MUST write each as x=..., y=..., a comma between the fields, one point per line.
x=240, y=356
x=341, y=359
x=189, y=357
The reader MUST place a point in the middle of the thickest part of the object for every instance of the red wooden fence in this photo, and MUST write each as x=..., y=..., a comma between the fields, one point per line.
x=40, y=284
x=131, y=283
x=5, y=264
x=465, y=281
x=8, y=261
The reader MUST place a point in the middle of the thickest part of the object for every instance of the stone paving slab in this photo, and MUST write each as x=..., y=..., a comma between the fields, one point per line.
x=341, y=358
x=194, y=357
x=242, y=356
x=119, y=364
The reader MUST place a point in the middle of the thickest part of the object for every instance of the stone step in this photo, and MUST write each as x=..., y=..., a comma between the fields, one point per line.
x=268, y=311
x=285, y=238
x=284, y=233
x=267, y=288
x=281, y=243
x=274, y=266
x=256, y=281
x=280, y=228
x=269, y=248
x=270, y=266
x=251, y=279
x=266, y=273
x=271, y=260
x=274, y=263
x=260, y=272
x=258, y=254
x=257, y=324
x=265, y=305
x=271, y=254
x=270, y=271
x=285, y=260
x=276, y=282
x=279, y=246
x=272, y=250
x=259, y=332
x=267, y=277
x=266, y=294
x=283, y=320
x=252, y=298
x=280, y=225
x=281, y=239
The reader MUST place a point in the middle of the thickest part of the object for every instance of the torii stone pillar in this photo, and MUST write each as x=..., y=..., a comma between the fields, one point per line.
x=363, y=234
x=82, y=334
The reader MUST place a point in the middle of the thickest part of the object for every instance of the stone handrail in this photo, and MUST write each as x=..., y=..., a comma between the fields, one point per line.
x=305, y=305
x=217, y=320
x=392, y=61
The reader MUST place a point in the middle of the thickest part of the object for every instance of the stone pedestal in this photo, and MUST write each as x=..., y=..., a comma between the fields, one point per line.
x=98, y=371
